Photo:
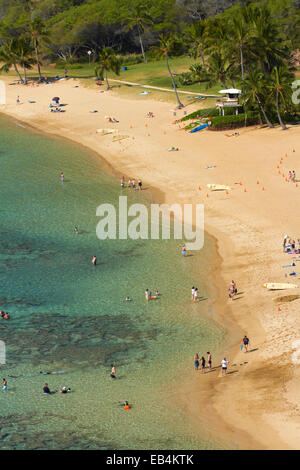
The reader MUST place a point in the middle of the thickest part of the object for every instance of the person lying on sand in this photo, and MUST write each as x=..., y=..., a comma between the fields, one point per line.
x=112, y=120
x=234, y=134
x=150, y=115
x=173, y=149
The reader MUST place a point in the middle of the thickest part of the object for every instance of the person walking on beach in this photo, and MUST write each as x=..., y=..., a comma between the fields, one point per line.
x=245, y=343
x=209, y=360
x=94, y=260
x=4, y=384
x=232, y=289
x=140, y=184
x=193, y=292
x=196, y=361
x=196, y=294
x=294, y=177
x=183, y=250
x=202, y=365
x=122, y=182
x=224, y=366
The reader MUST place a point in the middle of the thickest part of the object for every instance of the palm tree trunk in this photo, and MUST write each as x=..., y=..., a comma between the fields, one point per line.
x=38, y=60
x=264, y=113
x=180, y=105
x=142, y=46
x=278, y=112
x=242, y=63
x=18, y=73
x=202, y=58
x=25, y=75
x=107, y=84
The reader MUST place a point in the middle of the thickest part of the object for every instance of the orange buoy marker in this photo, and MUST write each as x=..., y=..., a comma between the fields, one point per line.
x=199, y=187
x=277, y=166
x=263, y=188
x=279, y=309
x=206, y=195
x=296, y=185
x=245, y=190
x=257, y=182
x=227, y=192
x=279, y=172
x=241, y=184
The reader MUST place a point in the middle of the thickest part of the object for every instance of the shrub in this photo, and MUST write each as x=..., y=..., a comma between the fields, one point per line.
x=210, y=112
x=130, y=59
x=186, y=78
x=232, y=122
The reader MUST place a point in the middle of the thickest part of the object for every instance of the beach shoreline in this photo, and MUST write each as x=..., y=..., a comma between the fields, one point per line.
x=240, y=419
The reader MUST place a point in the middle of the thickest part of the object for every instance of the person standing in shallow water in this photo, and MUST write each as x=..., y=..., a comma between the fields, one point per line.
x=94, y=260
x=209, y=360
x=196, y=361
x=62, y=177
x=202, y=365
x=4, y=384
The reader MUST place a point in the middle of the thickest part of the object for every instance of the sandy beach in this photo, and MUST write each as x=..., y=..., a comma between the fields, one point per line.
x=256, y=405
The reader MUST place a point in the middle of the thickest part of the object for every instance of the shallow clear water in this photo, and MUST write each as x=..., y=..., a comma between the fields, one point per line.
x=71, y=316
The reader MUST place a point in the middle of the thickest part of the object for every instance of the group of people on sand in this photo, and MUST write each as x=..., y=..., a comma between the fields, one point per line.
x=4, y=315
x=131, y=184
x=292, y=176
x=202, y=362
x=290, y=245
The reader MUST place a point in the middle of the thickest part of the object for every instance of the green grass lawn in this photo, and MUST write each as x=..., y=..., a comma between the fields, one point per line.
x=154, y=73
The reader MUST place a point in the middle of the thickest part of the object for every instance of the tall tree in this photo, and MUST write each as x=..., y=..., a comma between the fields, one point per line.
x=139, y=18
x=39, y=34
x=9, y=56
x=108, y=62
x=196, y=35
x=254, y=92
x=168, y=45
x=280, y=85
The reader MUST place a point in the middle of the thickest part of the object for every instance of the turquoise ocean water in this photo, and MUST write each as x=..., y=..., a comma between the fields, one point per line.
x=69, y=316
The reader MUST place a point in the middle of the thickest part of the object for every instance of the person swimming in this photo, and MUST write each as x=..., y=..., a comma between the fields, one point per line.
x=65, y=390
x=128, y=299
x=126, y=406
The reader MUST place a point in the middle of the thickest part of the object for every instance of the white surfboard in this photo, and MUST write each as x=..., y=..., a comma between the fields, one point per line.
x=106, y=131
x=218, y=187
x=279, y=285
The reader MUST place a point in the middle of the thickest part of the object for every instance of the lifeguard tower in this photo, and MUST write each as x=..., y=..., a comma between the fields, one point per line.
x=230, y=99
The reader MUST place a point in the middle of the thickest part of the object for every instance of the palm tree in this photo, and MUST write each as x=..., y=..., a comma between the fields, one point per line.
x=240, y=35
x=24, y=54
x=139, y=18
x=17, y=51
x=267, y=44
x=196, y=35
x=39, y=33
x=254, y=89
x=9, y=57
x=108, y=62
x=168, y=46
x=221, y=69
x=280, y=85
